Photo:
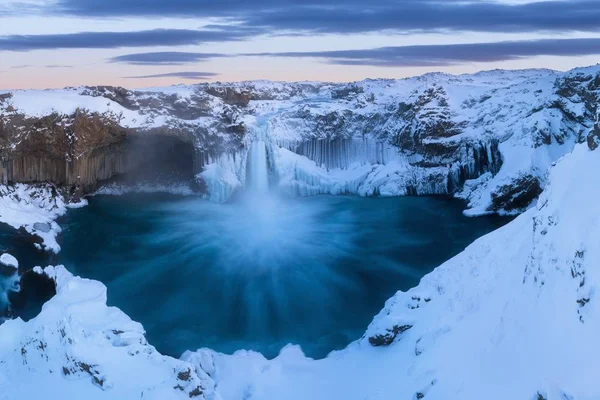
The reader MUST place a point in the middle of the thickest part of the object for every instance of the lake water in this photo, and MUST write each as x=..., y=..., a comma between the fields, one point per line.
x=261, y=272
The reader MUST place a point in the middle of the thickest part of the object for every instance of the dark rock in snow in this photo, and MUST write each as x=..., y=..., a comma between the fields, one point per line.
x=389, y=337
x=517, y=195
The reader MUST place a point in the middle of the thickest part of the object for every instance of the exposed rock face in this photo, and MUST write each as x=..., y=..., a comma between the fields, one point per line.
x=517, y=195
x=78, y=149
x=230, y=95
x=387, y=338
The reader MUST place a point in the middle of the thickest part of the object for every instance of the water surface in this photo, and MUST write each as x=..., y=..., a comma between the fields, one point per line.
x=263, y=271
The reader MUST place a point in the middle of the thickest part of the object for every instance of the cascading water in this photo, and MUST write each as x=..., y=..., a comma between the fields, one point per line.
x=257, y=168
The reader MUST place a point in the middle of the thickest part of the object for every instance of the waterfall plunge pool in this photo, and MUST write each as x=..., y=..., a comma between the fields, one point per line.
x=261, y=271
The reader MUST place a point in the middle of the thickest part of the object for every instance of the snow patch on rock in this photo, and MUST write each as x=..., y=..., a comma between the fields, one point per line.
x=34, y=208
x=9, y=260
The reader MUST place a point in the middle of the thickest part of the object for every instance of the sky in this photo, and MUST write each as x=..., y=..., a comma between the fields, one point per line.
x=144, y=43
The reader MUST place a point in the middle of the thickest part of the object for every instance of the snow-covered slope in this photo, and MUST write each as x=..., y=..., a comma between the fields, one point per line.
x=515, y=316
x=78, y=348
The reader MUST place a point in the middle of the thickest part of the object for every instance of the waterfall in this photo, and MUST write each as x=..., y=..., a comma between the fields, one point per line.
x=257, y=174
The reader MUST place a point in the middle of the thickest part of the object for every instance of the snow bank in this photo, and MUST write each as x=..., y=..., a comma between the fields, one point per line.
x=78, y=348
x=39, y=103
x=9, y=260
x=514, y=316
x=35, y=208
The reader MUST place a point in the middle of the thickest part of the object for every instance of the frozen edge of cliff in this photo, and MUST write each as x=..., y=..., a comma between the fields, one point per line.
x=77, y=347
x=35, y=208
x=513, y=316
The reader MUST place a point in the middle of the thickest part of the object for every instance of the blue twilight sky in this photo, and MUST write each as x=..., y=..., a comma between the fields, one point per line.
x=137, y=43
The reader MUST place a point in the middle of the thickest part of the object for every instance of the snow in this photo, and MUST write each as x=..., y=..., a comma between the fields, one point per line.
x=39, y=103
x=34, y=208
x=9, y=261
x=522, y=110
x=78, y=348
x=519, y=305
x=514, y=315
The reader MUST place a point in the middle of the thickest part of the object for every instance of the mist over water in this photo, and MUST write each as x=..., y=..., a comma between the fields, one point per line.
x=261, y=271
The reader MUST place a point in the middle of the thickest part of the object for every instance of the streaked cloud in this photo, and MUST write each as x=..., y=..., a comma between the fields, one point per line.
x=164, y=58
x=192, y=75
x=356, y=16
x=443, y=55
x=23, y=66
x=110, y=40
x=400, y=56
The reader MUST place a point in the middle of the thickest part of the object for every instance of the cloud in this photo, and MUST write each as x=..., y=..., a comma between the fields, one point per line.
x=443, y=55
x=109, y=40
x=57, y=66
x=164, y=58
x=195, y=75
x=359, y=16
x=43, y=66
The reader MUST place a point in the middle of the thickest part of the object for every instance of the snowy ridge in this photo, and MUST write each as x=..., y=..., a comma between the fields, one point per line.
x=517, y=306
x=77, y=348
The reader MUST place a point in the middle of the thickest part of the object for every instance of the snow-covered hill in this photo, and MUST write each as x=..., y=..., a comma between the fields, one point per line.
x=499, y=130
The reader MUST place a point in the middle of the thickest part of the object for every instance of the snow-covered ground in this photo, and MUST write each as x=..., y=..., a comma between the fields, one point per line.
x=79, y=348
x=513, y=316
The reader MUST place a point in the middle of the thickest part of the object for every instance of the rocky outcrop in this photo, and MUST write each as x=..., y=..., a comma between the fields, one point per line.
x=230, y=95
x=516, y=195
x=74, y=150
x=387, y=338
